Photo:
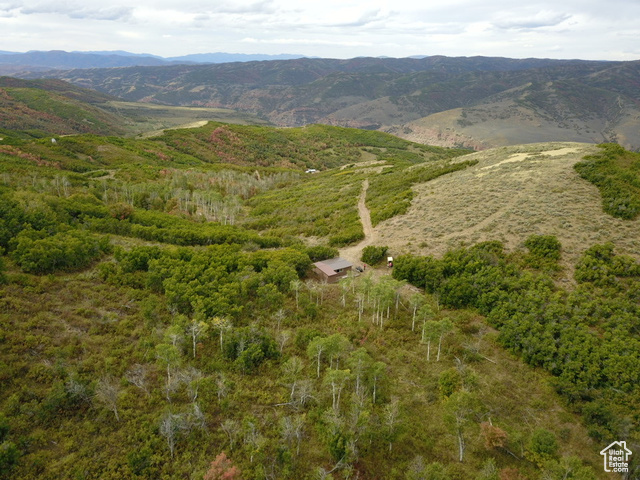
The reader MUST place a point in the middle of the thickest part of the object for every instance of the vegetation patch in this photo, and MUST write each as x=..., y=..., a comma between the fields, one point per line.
x=390, y=193
x=592, y=325
x=616, y=172
x=191, y=343
x=373, y=255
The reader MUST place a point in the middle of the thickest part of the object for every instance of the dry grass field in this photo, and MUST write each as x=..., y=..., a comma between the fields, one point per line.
x=512, y=192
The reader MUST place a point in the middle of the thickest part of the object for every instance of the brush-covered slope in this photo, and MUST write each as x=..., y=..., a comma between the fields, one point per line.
x=46, y=107
x=40, y=108
x=511, y=193
x=585, y=110
x=149, y=322
x=488, y=101
x=216, y=144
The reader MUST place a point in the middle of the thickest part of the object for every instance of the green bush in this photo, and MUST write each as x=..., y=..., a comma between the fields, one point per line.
x=4, y=427
x=72, y=250
x=3, y=276
x=321, y=252
x=249, y=347
x=600, y=266
x=346, y=237
x=373, y=255
x=542, y=446
x=9, y=455
x=544, y=252
x=615, y=172
x=544, y=246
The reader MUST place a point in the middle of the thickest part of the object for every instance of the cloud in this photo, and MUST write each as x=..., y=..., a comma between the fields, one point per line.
x=542, y=19
x=331, y=28
x=8, y=9
x=262, y=7
x=79, y=11
x=305, y=41
x=367, y=18
x=237, y=7
x=111, y=13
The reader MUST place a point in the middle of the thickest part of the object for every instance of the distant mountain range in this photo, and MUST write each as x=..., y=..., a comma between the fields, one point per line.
x=477, y=102
x=12, y=62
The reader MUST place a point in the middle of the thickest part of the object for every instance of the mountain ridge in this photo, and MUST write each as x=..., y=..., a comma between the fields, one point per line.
x=530, y=100
x=62, y=60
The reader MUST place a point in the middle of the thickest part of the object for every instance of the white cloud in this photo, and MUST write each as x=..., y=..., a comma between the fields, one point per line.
x=541, y=19
x=305, y=41
x=331, y=28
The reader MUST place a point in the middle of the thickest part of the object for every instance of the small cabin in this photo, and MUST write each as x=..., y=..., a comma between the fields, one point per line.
x=331, y=270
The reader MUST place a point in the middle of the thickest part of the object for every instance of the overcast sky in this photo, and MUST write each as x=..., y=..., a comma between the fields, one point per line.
x=585, y=29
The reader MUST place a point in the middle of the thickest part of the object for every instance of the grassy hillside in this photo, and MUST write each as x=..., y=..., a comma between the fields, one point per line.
x=40, y=108
x=325, y=204
x=511, y=193
x=156, y=311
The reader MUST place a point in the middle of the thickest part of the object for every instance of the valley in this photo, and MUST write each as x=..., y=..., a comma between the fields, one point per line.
x=473, y=102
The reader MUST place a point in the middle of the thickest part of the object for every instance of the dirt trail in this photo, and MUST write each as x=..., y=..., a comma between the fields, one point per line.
x=354, y=252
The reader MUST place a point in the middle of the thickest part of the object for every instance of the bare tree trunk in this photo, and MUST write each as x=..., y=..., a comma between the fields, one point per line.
x=413, y=320
x=461, y=446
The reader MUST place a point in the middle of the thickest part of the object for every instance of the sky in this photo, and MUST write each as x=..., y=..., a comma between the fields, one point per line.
x=583, y=29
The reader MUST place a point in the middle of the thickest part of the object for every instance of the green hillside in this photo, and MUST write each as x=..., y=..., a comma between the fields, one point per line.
x=156, y=311
x=41, y=108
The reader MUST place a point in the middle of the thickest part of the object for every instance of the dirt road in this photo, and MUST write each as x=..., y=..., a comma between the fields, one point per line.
x=354, y=252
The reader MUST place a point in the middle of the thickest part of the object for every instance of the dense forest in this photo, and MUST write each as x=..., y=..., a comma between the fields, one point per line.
x=158, y=320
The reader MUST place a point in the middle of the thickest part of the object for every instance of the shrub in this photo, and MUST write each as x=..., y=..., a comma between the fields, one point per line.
x=544, y=251
x=373, y=255
x=121, y=211
x=543, y=445
x=449, y=382
x=346, y=237
x=544, y=246
x=321, y=252
x=3, y=277
x=614, y=172
x=249, y=347
x=8, y=457
x=72, y=250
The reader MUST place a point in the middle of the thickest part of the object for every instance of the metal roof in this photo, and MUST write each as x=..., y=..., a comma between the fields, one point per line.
x=336, y=263
x=328, y=271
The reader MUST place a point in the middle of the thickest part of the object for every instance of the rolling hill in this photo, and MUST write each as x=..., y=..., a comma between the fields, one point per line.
x=37, y=108
x=510, y=194
x=46, y=107
x=478, y=102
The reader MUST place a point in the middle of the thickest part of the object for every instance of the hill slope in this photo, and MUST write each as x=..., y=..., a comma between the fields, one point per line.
x=47, y=107
x=148, y=352
x=501, y=101
x=37, y=108
x=590, y=109
x=511, y=193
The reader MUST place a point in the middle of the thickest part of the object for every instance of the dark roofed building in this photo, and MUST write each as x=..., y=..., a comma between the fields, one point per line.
x=331, y=270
